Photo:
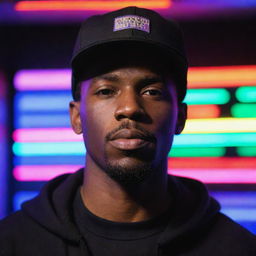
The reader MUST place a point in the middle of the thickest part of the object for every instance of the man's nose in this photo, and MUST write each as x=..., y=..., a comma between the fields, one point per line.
x=129, y=106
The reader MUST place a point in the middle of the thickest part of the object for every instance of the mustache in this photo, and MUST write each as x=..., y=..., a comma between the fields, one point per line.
x=133, y=126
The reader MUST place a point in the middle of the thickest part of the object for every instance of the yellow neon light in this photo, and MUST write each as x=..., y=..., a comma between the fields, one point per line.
x=220, y=125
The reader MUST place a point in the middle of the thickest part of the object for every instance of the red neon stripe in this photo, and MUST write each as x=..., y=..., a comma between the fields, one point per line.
x=212, y=162
x=226, y=76
x=44, y=173
x=87, y=5
x=205, y=111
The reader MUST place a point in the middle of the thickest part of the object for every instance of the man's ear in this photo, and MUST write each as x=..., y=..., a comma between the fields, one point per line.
x=182, y=117
x=75, y=118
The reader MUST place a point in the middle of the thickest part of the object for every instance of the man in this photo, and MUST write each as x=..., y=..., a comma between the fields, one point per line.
x=128, y=82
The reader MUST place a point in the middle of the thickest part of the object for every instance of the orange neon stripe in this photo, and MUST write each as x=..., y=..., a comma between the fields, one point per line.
x=229, y=76
x=212, y=162
x=205, y=111
x=87, y=5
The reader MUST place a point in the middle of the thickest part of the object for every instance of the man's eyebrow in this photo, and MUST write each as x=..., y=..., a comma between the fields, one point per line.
x=108, y=77
x=147, y=80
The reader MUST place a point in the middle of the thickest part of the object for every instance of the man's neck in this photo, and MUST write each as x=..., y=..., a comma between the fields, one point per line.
x=110, y=200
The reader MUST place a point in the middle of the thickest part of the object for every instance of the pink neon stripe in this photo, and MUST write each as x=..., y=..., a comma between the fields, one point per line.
x=48, y=79
x=45, y=135
x=43, y=173
x=227, y=176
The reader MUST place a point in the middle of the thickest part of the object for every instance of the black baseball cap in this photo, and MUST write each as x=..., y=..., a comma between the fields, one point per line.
x=130, y=33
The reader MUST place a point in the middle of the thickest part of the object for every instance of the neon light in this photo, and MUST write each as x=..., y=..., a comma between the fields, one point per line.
x=245, y=214
x=41, y=120
x=227, y=76
x=43, y=101
x=197, y=152
x=87, y=5
x=220, y=125
x=235, y=198
x=223, y=176
x=46, y=135
x=213, y=163
x=43, y=173
x=22, y=196
x=250, y=225
x=42, y=79
x=198, y=77
x=48, y=149
x=246, y=151
x=246, y=94
x=207, y=96
x=49, y=160
x=215, y=140
x=184, y=140
x=207, y=111
x=243, y=110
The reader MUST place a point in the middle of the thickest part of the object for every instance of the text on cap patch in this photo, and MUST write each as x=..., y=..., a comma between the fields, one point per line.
x=132, y=22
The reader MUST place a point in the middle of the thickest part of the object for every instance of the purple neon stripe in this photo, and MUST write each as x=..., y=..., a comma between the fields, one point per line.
x=47, y=79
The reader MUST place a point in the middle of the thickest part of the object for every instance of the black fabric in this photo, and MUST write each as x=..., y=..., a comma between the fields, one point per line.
x=118, y=238
x=46, y=225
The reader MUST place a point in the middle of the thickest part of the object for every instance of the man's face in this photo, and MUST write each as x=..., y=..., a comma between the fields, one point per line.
x=128, y=118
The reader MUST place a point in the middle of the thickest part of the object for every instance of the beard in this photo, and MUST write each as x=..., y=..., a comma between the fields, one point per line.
x=129, y=175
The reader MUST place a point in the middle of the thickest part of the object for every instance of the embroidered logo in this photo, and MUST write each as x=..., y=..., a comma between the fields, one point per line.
x=132, y=22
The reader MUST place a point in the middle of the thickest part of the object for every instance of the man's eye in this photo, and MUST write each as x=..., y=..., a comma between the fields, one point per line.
x=105, y=92
x=153, y=92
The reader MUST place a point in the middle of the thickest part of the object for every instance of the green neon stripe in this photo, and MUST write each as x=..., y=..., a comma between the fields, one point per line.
x=246, y=94
x=197, y=152
x=207, y=96
x=243, y=110
x=246, y=151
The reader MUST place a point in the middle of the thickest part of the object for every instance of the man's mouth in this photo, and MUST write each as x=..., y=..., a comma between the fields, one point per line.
x=127, y=139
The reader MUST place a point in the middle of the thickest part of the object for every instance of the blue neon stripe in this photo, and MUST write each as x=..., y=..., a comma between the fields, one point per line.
x=22, y=196
x=51, y=148
x=240, y=214
x=251, y=226
x=49, y=160
x=235, y=198
x=42, y=101
x=42, y=120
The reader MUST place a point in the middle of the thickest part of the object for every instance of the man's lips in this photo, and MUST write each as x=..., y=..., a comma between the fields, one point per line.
x=127, y=139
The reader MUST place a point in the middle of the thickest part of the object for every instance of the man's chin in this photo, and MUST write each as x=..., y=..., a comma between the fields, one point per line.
x=129, y=174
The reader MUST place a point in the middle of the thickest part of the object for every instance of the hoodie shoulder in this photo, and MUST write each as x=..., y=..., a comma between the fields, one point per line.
x=12, y=228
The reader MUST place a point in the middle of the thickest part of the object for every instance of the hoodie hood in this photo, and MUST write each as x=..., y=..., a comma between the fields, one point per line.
x=193, y=210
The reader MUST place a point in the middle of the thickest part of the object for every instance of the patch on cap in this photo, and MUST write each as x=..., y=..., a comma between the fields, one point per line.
x=132, y=22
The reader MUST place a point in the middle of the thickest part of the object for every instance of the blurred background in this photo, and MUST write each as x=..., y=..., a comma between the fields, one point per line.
x=218, y=145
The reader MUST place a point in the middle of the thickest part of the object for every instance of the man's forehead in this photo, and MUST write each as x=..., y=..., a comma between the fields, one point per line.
x=134, y=73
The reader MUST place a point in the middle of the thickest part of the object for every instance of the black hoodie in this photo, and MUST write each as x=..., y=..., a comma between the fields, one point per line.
x=45, y=226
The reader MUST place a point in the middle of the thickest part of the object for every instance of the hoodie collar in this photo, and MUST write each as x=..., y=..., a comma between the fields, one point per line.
x=193, y=208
